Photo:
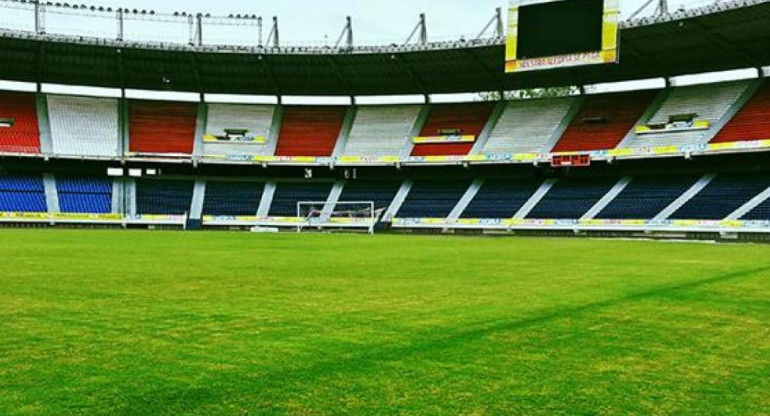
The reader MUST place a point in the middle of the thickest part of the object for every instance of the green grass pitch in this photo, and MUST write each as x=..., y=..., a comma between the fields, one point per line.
x=170, y=323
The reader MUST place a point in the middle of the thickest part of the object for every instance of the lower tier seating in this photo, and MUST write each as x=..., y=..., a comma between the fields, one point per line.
x=572, y=198
x=723, y=196
x=23, y=135
x=381, y=192
x=646, y=196
x=433, y=198
x=501, y=198
x=163, y=197
x=760, y=213
x=232, y=198
x=80, y=194
x=22, y=193
x=288, y=194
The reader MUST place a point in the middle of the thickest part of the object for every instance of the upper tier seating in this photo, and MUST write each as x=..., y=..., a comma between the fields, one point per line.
x=527, y=126
x=381, y=130
x=381, y=192
x=257, y=119
x=709, y=102
x=232, y=198
x=84, y=126
x=646, y=196
x=24, y=135
x=723, y=196
x=162, y=127
x=163, y=197
x=752, y=122
x=433, y=198
x=572, y=198
x=80, y=194
x=22, y=193
x=501, y=198
x=605, y=120
x=288, y=194
x=310, y=131
x=468, y=118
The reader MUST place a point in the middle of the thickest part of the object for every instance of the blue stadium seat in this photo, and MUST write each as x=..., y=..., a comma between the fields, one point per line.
x=288, y=194
x=163, y=197
x=232, y=198
x=646, y=196
x=760, y=213
x=725, y=194
x=78, y=194
x=433, y=198
x=381, y=192
x=572, y=198
x=22, y=193
x=501, y=198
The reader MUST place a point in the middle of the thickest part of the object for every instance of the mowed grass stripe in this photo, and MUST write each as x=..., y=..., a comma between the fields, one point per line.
x=103, y=322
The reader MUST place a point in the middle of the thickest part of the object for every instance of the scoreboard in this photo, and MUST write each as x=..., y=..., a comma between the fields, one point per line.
x=548, y=34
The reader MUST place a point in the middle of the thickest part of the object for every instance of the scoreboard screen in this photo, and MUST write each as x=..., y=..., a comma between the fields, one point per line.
x=547, y=34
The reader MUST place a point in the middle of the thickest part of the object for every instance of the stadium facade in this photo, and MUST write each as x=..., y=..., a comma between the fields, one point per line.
x=680, y=160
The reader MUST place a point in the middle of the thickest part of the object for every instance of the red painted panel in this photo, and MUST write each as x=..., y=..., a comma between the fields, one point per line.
x=469, y=118
x=162, y=127
x=310, y=131
x=752, y=122
x=24, y=135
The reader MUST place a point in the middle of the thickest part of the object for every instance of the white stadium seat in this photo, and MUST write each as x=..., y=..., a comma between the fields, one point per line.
x=381, y=130
x=257, y=119
x=527, y=126
x=84, y=126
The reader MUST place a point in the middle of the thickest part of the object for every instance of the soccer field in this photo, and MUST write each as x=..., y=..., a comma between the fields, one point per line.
x=171, y=323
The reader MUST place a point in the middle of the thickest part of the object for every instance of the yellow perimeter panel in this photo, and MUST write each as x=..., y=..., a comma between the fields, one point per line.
x=608, y=54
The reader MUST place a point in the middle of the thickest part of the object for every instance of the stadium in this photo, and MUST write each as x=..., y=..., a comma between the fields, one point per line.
x=551, y=217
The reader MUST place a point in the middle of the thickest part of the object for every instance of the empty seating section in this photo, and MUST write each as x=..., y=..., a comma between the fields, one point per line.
x=528, y=126
x=257, y=120
x=433, y=198
x=310, y=131
x=80, y=194
x=381, y=192
x=723, y=196
x=708, y=102
x=22, y=193
x=572, y=198
x=163, y=197
x=84, y=126
x=381, y=130
x=23, y=134
x=605, y=120
x=501, y=198
x=647, y=196
x=760, y=213
x=162, y=127
x=752, y=122
x=232, y=198
x=288, y=194
x=466, y=119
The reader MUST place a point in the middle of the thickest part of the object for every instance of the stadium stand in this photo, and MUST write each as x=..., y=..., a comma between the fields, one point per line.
x=163, y=197
x=310, y=131
x=381, y=130
x=752, y=122
x=465, y=119
x=82, y=194
x=528, y=126
x=500, y=198
x=84, y=126
x=288, y=194
x=605, y=120
x=162, y=127
x=381, y=192
x=707, y=102
x=257, y=120
x=725, y=194
x=571, y=198
x=22, y=193
x=23, y=135
x=232, y=198
x=646, y=196
x=760, y=213
x=433, y=198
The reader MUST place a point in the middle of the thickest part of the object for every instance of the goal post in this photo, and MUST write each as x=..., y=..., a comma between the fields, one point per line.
x=341, y=214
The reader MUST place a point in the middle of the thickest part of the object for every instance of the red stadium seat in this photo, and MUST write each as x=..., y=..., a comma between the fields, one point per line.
x=162, y=127
x=604, y=121
x=468, y=118
x=752, y=122
x=310, y=131
x=23, y=136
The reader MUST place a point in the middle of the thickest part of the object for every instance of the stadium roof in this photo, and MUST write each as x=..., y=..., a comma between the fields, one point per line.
x=713, y=38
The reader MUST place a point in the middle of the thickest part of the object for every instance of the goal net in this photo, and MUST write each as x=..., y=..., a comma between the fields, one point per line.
x=350, y=214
